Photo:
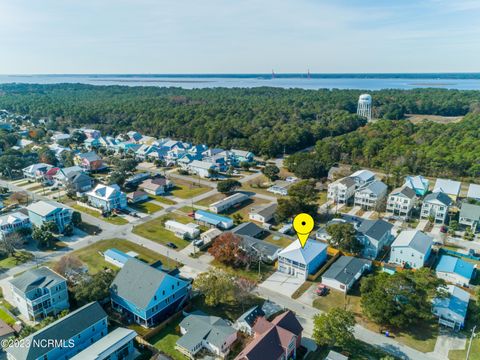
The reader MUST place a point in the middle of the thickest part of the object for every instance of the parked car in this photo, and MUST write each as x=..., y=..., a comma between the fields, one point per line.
x=172, y=245
x=321, y=290
x=444, y=229
x=198, y=242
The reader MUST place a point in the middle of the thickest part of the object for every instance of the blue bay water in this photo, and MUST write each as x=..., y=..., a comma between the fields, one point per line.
x=460, y=81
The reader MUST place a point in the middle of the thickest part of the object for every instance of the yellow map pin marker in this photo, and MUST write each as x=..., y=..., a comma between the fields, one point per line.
x=303, y=226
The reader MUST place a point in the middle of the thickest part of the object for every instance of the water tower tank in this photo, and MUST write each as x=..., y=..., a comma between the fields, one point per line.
x=364, y=107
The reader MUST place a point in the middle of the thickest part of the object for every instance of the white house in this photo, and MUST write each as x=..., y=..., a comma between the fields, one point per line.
x=452, y=310
x=474, y=192
x=362, y=177
x=411, y=249
x=36, y=171
x=183, y=231
x=12, y=222
x=39, y=292
x=228, y=202
x=301, y=261
x=107, y=198
x=436, y=205
x=201, y=331
x=263, y=214
x=470, y=216
x=202, y=168
x=400, y=202
x=280, y=188
x=455, y=270
x=344, y=272
x=342, y=190
x=370, y=195
x=449, y=187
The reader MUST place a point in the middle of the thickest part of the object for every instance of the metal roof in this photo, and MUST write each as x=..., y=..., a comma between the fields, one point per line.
x=451, y=264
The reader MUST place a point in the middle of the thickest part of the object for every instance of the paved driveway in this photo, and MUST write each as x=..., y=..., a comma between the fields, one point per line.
x=282, y=283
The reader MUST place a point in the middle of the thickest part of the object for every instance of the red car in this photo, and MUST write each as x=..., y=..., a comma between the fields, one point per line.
x=321, y=290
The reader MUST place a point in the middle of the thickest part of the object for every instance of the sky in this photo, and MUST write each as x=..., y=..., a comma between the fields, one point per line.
x=238, y=36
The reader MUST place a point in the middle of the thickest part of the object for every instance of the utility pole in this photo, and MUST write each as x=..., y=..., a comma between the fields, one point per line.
x=470, y=344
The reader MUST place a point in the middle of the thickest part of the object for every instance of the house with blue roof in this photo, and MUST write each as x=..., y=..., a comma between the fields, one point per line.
x=117, y=257
x=455, y=270
x=418, y=183
x=452, y=309
x=222, y=222
x=147, y=295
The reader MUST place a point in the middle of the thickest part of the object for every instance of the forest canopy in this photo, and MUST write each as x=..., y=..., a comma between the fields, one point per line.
x=267, y=121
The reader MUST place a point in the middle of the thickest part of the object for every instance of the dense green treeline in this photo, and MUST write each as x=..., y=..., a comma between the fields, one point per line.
x=267, y=121
x=428, y=148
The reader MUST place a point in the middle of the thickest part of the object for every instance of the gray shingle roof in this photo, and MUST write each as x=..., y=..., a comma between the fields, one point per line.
x=414, y=239
x=375, y=187
x=404, y=191
x=248, y=229
x=374, y=229
x=138, y=282
x=439, y=196
x=62, y=329
x=262, y=247
x=35, y=278
x=265, y=211
x=347, y=181
x=345, y=268
x=200, y=326
x=470, y=211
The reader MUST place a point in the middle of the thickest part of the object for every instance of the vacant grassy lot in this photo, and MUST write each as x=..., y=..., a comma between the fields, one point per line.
x=211, y=199
x=166, y=339
x=265, y=271
x=18, y=258
x=91, y=255
x=155, y=231
x=147, y=207
x=422, y=337
x=115, y=220
x=162, y=199
x=418, y=118
x=186, y=189
x=225, y=311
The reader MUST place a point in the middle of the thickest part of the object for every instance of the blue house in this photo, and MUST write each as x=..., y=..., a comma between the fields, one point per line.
x=239, y=156
x=65, y=337
x=455, y=270
x=418, y=184
x=222, y=222
x=42, y=212
x=147, y=295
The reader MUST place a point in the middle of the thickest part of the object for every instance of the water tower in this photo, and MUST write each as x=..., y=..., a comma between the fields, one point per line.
x=364, y=107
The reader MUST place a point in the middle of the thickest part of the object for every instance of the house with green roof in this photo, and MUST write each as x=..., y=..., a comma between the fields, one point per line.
x=38, y=293
x=201, y=331
x=147, y=295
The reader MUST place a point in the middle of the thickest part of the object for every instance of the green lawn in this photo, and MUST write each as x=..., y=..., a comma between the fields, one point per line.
x=18, y=258
x=147, y=207
x=162, y=199
x=90, y=255
x=6, y=317
x=225, y=311
x=155, y=231
x=265, y=271
x=186, y=189
x=277, y=240
x=166, y=339
x=322, y=197
x=115, y=220
x=462, y=354
x=211, y=199
x=421, y=337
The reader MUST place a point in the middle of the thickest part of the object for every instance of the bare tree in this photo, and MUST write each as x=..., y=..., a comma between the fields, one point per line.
x=11, y=242
x=68, y=265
